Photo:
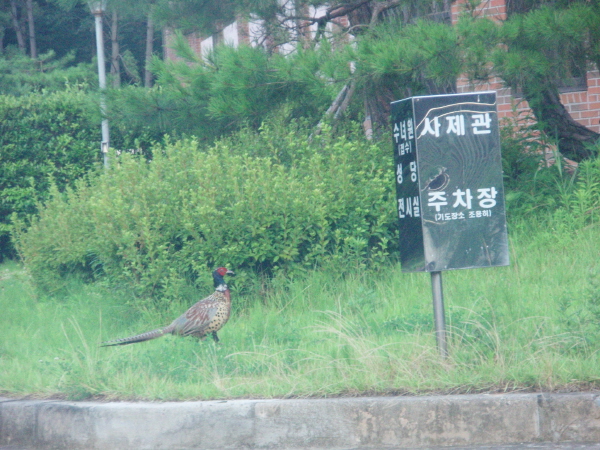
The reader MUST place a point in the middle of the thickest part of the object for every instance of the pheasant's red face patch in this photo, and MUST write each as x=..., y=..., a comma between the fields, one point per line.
x=222, y=271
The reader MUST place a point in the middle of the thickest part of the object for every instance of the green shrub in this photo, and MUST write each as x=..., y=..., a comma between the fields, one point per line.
x=579, y=196
x=42, y=136
x=158, y=226
x=49, y=137
x=533, y=189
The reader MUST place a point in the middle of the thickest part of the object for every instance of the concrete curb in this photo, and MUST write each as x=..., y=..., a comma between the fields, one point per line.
x=357, y=423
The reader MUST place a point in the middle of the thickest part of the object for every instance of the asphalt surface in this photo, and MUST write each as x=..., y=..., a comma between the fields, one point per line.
x=588, y=446
x=564, y=446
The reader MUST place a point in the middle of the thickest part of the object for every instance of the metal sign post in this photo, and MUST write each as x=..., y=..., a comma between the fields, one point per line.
x=439, y=317
x=450, y=195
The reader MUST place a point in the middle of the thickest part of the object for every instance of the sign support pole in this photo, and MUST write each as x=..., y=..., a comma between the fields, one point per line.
x=449, y=191
x=438, y=313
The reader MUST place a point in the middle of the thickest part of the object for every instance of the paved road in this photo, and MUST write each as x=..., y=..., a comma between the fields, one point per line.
x=538, y=445
x=563, y=446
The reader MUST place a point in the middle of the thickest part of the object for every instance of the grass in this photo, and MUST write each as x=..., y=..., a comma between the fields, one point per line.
x=534, y=325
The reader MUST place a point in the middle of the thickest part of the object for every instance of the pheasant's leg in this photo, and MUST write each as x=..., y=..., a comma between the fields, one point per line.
x=215, y=337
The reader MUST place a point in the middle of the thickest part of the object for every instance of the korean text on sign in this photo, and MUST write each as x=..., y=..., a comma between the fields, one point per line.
x=403, y=135
x=455, y=124
x=485, y=198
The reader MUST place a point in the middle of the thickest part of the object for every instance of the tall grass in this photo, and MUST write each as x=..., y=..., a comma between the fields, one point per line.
x=530, y=326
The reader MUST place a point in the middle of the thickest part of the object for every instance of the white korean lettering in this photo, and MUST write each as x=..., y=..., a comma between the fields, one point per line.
x=403, y=131
x=416, y=207
x=413, y=171
x=446, y=217
x=401, y=208
x=463, y=198
x=409, y=207
x=399, y=177
x=479, y=213
x=456, y=125
x=481, y=121
x=404, y=148
x=437, y=199
x=487, y=197
x=410, y=129
x=396, y=132
x=428, y=129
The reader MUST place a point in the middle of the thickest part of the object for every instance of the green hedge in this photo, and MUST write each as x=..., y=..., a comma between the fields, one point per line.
x=158, y=226
x=42, y=136
x=49, y=137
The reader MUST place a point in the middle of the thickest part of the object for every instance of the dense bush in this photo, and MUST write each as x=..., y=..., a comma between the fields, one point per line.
x=42, y=136
x=49, y=137
x=157, y=226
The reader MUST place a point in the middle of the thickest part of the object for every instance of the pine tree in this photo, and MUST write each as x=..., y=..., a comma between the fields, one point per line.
x=539, y=50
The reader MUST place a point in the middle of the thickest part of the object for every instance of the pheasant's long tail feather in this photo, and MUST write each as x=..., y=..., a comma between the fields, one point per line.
x=137, y=338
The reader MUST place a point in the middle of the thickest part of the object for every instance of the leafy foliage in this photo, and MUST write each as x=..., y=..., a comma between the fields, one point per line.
x=233, y=88
x=580, y=198
x=49, y=138
x=42, y=137
x=409, y=59
x=21, y=75
x=191, y=15
x=546, y=46
x=537, y=53
x=156, y=226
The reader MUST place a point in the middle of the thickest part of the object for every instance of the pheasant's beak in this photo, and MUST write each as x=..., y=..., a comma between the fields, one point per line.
x=230, y=272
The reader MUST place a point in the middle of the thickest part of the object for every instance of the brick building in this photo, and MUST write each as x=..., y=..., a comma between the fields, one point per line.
x=581, y=99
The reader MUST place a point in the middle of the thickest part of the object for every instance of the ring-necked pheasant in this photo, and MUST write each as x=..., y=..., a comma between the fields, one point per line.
x=207, y=316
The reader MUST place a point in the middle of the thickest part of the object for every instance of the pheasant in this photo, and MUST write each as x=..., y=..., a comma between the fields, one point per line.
x=207, y=316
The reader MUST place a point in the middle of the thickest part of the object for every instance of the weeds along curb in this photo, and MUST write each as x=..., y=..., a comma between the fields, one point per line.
x=303, y=423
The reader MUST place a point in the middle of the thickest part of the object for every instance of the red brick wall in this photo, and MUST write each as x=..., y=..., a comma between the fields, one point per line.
x=584, y=106
x=494, y=9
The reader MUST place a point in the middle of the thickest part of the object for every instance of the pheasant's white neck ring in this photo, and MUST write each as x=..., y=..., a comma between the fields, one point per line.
x=221, y=288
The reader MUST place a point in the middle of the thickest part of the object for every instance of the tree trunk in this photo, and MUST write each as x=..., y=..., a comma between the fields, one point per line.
x=115, y=68
x=149, y=50
x=15, y=19
x=556, y=121
x=30, y=22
